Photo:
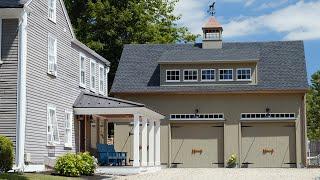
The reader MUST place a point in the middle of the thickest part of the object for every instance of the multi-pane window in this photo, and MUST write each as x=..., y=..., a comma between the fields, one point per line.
x=52, y=55
x=52, y=126
x=68, y=129
x=190, y=75
x=225, y=74
x=92, y=75
x=173, y=75
x=101, y=79
x=82, y=70
x=52, y=10
x=208, y=75
x=244, y=74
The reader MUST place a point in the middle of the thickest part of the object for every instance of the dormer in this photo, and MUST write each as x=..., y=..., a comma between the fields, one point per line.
x=212, y=34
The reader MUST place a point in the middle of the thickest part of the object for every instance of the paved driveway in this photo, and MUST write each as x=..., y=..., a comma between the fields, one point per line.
x=225, y=173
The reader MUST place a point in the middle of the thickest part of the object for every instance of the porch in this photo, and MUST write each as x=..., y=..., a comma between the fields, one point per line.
x=95, y=117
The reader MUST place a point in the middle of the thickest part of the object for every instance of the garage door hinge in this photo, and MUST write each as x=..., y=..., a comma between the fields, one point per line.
x=290, y=163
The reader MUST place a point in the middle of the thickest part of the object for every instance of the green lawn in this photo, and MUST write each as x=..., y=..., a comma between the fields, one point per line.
x=35, y=176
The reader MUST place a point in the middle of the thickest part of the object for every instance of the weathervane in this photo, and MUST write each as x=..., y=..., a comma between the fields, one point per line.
x=212, y=10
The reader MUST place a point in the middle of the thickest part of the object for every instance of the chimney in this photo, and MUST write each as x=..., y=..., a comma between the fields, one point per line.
x=212, y=34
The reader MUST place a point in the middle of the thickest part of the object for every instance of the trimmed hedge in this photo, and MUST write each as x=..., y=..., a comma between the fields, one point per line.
x=6, y=154
x=75, y=164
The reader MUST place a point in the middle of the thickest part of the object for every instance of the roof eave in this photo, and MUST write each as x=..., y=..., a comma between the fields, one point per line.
x=90, y=51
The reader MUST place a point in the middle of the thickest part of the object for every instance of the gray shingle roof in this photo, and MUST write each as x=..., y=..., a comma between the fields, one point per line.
x=194, y=55
x=281, y=66
x=12, y=3
x=90, y=100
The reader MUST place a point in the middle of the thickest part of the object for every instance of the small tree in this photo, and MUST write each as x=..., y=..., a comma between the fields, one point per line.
x=6, y=154
x=313, y=108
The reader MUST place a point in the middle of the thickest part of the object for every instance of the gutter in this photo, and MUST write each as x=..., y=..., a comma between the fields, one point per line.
x=21, y=91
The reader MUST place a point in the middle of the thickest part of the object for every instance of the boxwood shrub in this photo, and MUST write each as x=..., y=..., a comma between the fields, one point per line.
x=72, y=164
x=6, y=154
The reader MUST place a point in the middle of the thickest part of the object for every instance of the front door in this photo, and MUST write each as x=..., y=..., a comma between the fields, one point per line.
x=82, y=136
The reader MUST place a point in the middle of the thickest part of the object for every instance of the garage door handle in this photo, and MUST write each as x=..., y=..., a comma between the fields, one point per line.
x=176, y=163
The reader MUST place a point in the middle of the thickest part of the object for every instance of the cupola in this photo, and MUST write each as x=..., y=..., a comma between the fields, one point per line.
x=212, y=34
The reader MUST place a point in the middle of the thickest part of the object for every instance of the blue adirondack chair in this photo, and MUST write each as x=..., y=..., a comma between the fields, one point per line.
x=108, y=155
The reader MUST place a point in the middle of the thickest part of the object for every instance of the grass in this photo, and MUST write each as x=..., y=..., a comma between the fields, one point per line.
x=34, y=176
x=39, y=176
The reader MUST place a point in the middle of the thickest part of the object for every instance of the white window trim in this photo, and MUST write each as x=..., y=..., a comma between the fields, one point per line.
x=54, y=73
x=225, y=79
x=82, y=84
x=244, y=79
x=208, y=80
x=68, y=145
x=193, y=80
x=101, y=92
x=54, y=16
x=52, y=143
x=173, y=70
x=1, y=62
x=95, y=75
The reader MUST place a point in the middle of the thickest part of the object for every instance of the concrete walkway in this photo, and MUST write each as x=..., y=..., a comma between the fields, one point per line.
x=225, y=173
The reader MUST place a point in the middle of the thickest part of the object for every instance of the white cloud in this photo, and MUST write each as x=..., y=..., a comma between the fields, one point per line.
x=193, y=13
x=298, y=21
x=272, y=4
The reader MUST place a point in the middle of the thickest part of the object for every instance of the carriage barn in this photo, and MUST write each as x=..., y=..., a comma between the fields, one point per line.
x=220, y=98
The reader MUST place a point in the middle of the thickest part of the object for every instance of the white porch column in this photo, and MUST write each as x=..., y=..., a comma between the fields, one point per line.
x=144, y=142
x=157, y=143
x=136, y=138
x=151, y=143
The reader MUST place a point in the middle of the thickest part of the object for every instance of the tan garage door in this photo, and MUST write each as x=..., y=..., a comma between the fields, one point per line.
x=268, y=145
x=196, y=145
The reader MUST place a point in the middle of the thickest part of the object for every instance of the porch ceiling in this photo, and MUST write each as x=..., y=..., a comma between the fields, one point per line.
x=89, y=103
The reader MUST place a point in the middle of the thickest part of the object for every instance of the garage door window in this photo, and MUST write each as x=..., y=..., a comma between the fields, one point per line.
x=253, y=116
x=213, y=116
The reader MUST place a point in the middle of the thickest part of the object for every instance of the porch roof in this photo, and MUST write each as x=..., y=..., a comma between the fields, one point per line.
x=89, y=103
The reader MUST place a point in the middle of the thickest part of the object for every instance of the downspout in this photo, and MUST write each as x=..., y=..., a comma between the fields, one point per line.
x=107, y=72
x=21, y=94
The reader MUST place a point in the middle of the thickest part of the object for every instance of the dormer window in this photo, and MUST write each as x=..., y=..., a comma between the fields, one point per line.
x=190, y=75
x=208, y=75
x=225, y=74
x=173, y=75
x=244, y=74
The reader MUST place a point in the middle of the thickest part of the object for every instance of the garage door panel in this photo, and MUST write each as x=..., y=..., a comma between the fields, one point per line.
x=268, y=146
x=205, y=140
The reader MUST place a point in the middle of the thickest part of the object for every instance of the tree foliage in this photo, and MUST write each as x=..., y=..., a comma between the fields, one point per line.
x=313, y=108
x=106, y=25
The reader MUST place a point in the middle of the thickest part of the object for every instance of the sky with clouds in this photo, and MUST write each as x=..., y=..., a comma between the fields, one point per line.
x=260, y=20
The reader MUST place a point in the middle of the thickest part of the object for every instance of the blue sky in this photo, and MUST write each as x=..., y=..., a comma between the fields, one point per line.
x=261, y=20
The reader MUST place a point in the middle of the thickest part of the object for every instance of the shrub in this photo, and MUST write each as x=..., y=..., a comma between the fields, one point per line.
x=87, y=164
x=6, y=154
x=67, y=165
x=75, y=164
x=232, y=161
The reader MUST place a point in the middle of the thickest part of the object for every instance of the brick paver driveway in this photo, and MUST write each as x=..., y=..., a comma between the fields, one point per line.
x=232, y=174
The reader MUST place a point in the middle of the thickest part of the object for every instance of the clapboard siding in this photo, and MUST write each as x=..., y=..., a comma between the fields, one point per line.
x=8, y=78
x=44, y=89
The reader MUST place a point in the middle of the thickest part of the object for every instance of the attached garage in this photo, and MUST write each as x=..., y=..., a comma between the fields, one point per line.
x=268, y=145
x=197, y=145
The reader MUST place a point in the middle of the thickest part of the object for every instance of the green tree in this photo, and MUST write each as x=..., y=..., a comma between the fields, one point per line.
x=106, y=25
x=313, y=107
